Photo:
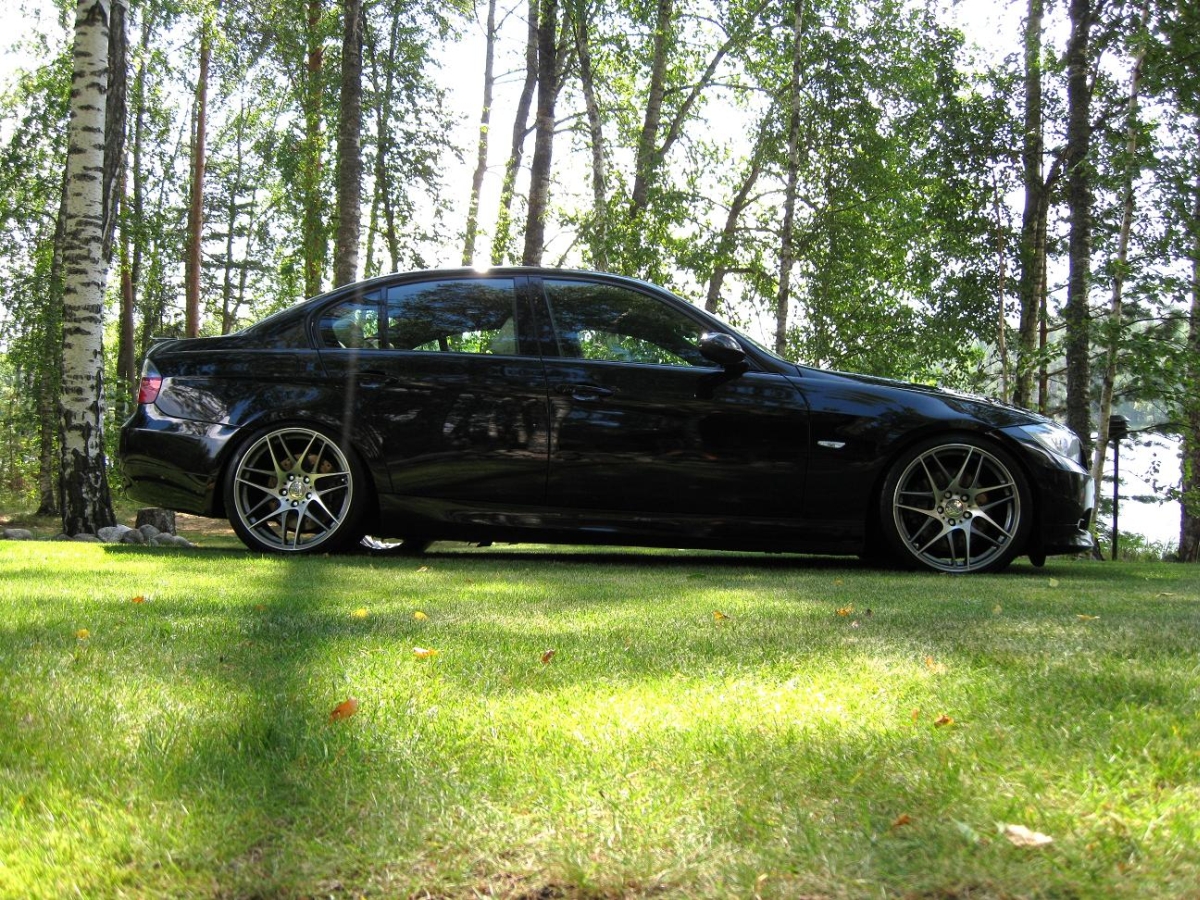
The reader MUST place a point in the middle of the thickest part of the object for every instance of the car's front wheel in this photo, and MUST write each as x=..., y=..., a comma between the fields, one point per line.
x=956, y=504
x=295, y=490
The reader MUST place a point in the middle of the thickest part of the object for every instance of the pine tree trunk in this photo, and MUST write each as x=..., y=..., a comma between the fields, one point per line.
x=1079, y=203
x=87, y=504
x=1032, y=250
x=313, y=235
x=787, y=253
x=195, y=236
x=485, y=123
x=349, y=171
x=543, y=141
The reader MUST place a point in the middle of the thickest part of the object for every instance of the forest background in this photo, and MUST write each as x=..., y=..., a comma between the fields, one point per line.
x=854, y=183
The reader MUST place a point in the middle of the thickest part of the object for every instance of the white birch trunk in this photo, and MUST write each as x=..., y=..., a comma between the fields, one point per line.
x=87, y=504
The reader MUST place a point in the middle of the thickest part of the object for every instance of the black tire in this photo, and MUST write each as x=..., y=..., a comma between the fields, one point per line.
x=956, y=503
x=294, y=489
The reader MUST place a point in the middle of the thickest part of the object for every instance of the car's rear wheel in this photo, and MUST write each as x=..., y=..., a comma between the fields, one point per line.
x=956, y=504
x=295, y=490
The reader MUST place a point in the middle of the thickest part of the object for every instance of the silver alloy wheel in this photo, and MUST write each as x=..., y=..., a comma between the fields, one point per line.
x=293, y=489
x=957, y=508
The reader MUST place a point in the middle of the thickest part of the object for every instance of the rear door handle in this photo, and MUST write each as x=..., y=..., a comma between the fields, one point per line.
x=584, y=392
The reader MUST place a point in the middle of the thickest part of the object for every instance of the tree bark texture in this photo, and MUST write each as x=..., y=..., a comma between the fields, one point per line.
x=114, y=127
x=349, y=166
x=579, y=15
x=645, y=163
x=86, y=502
x=50, y=374
x=313, y=235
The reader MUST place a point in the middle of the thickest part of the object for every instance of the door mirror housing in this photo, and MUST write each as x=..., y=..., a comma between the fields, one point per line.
x=722, y=349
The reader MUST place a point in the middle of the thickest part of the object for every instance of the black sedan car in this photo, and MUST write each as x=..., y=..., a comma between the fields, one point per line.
x=562, y=406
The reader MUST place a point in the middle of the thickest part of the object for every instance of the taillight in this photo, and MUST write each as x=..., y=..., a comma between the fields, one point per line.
x=151, y=384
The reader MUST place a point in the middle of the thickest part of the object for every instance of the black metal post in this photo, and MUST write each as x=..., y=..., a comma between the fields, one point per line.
x=1118, y=430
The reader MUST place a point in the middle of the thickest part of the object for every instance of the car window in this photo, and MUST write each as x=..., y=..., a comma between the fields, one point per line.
x=616, y=324
x=353, y=323
x=476, y=315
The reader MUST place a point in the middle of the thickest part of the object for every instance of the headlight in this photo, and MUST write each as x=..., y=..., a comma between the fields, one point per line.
x=1057, y=439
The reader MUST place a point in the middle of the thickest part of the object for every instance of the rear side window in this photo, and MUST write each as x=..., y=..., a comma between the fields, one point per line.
x=451, y=316
x=454, y=316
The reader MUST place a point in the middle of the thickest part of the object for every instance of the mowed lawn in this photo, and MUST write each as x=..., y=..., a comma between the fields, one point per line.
x=706, y=726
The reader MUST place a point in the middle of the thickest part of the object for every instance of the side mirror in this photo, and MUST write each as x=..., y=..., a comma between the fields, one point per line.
x=722, y=349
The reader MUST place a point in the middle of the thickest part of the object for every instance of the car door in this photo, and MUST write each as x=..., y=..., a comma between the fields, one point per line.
x=444, y=377
x=643, y=424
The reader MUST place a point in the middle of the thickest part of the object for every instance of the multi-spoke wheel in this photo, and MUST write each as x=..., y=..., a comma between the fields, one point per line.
x=956, y=504
x=294, y=490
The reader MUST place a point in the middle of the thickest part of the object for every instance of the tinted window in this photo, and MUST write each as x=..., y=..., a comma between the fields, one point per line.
x=605, y=322
x=458, y=316
x=353, y=323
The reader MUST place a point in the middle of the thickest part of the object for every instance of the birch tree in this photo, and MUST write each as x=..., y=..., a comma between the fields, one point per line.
x=87, y=503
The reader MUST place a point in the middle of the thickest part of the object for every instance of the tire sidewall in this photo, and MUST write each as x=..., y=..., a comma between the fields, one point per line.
x=350, y=529
x=896, y=544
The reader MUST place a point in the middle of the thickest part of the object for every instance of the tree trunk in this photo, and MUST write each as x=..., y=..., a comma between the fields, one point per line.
x=787, y=252
x=114, y=128
x=1189, y=520
x=502, y=239
x=645, y=163
x=1079, y=202
x=87, y=503
x=598, y=236
x=727, y=244
x=543, y=142
x=1033, y=247
x=195, y=235
x=1113, y=336
x=485, y=123
x=313, y=224
x=50, y=374
x=349, y=172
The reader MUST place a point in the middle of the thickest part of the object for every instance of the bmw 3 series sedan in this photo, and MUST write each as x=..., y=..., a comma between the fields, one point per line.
x=555, y=406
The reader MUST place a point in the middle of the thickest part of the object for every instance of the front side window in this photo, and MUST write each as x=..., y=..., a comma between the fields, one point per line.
x=475, y=315
x=615, y=324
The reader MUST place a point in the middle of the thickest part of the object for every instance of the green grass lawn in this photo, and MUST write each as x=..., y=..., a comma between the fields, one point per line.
x=183, y=746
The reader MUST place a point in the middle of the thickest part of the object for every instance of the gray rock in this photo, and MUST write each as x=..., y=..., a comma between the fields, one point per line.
x=61, y=536
x=113, y=533
x=86, y=539
x=18, y=534
x=133, y=536
x=149, y=532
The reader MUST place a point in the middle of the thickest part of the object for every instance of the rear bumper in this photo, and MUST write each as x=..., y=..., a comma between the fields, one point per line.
x=173, y=463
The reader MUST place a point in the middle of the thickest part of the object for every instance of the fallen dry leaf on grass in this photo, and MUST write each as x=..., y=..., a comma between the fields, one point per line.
x=719, y=616
x=845, y=610
x=423, y=652
x=1084, y=617
x=344, y=710
x=942, y=721
x=902, y=819
x=83, y=634
x=1020, y=836
x=138, y=599
x=936, y=668
x=420, y=616
x=547, y=656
